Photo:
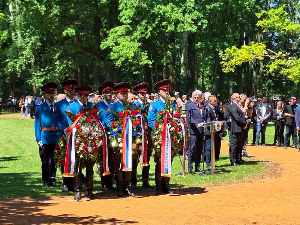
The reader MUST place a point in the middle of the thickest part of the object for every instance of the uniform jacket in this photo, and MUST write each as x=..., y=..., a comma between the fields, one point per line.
x=75, y=108
x=63, y=118
x=238, y=121
x=154, y=109
x=44, y=117
x=106, y=115
x=195, y=115
x=118, y=107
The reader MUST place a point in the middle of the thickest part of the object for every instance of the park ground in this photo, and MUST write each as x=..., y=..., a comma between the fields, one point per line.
x=272, y=198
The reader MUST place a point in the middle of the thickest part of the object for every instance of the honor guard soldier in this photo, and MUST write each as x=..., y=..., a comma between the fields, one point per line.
x=69, y=89
x=106, y=89
x=82, y=104
x=123, y=176
x=163, y=88
x=46, y=132
x=142, y=102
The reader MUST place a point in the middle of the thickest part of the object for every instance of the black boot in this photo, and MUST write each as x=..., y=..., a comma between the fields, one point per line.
x=120, y=183
x=166, y=186
x=145, y=177
x=126, y=191
x=158, y=179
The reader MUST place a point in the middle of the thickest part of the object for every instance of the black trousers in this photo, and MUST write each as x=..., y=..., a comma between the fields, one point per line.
x=123, y=177
x=195, y=150
x=217, y=145
x=236, y=146
x=279, y=130
x=48, y=164
x=160, y=181
x=68, y=181
x=135, y=162
x=89, y=177
x=254, y=132
x=108, y=179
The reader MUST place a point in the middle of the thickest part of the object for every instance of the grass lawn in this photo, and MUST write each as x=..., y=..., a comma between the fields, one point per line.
x=20, y=166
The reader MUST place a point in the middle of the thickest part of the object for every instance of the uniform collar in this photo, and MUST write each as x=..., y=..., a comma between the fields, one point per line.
x=69, y=100
x=162, y=100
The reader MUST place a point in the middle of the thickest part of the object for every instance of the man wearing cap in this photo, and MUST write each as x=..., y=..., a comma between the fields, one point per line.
x=163, y=87
x=123, y=177
x=106, y=89
x=69, y=89
x=82, y=104
x=46, y=132
x=141, y=89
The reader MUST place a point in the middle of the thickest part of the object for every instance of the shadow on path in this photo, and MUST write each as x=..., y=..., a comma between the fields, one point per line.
x=17, y=212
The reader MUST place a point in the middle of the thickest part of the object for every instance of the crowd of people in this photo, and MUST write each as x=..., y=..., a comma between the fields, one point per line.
x=57, y=117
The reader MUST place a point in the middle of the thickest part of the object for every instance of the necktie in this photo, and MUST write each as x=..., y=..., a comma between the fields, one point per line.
x=51, y=108
x=84, y=107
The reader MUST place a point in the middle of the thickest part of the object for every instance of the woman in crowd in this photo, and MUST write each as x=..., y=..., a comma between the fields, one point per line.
x=279, y=123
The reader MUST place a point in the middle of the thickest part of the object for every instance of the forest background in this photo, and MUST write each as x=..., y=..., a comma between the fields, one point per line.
x=222, y=46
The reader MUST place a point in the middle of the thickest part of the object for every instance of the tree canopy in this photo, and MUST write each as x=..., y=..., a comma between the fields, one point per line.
x=219, y=46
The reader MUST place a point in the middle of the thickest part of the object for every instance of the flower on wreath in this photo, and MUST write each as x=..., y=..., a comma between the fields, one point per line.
x=175, y=129
x=88, y=136
x=116, y=130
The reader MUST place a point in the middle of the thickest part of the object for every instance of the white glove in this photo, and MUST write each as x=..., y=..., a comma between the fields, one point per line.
x=200, y=124
x=40, y=144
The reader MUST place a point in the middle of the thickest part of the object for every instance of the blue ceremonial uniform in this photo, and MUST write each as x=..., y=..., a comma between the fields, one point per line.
x=154, y=109
x=118, y=107
x=63, y=118
x=47, y=136
x=141, y=104
x=106, y=115
x=45, y=118
x=75, y=108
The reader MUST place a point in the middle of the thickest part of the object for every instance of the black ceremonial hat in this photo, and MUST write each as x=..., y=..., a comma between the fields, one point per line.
x=84, y=90
x=51, y=86
x=122, y=87
x=106, y=85
x=70, y=83
x=142, y=87
x=163, y=84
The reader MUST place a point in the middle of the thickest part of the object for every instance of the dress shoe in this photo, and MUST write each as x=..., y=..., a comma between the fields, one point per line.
x=90, y=195
x=120, y=194
x=235, y=164
x=127, y=192
x=197, y=170
x=46, y=184
x=111, y=188
x=241, y=162
x=133, y=186
x=65, y=188
x=53, y=184
x=77, y=196
x=104, y=187
x=146, y=185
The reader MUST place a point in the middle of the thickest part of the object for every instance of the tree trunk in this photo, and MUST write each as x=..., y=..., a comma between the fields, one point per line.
x=96, y=71
x=12, y=84
x=254, y=86
x=215, y=75
x=192, y=62
x=261, y=65
x=184, y=73
x=230, y=84
x=79, y=75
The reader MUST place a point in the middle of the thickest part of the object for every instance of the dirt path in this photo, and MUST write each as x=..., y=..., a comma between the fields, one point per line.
x=266, y=201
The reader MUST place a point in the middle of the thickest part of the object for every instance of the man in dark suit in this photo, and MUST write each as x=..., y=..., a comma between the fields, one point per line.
x=195, y=113
x=238, y=123
x=213, y=113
